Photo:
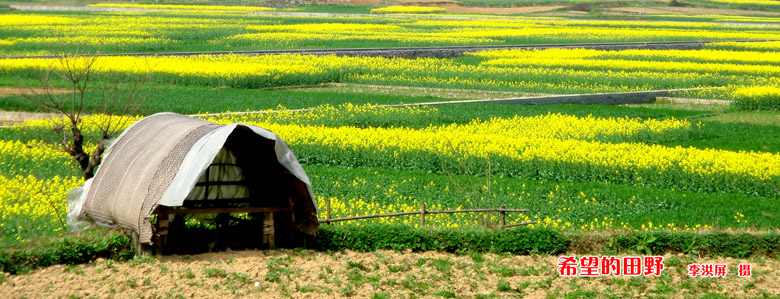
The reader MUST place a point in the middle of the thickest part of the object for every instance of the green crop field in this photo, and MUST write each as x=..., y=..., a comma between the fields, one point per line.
x=654, y=157
x=40, y=33
x=706, y=160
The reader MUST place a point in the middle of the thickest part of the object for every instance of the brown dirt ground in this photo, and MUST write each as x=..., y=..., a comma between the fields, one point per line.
x=351, y=2
x=310, y=274
x=689, y=11
x=13, y=91
x=568, y=13
x=10, y=117
x=452, y=6
x=411, y=2
x=499, y=10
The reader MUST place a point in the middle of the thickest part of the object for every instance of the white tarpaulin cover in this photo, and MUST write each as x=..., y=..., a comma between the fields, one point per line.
x=159, y=160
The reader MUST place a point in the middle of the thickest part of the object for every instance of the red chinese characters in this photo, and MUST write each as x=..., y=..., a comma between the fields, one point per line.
x=745, y=270
x=589, y=266
x=611, y=266
x=592, y=266
x=567, y=266
x=653, y=265
x=707, y=270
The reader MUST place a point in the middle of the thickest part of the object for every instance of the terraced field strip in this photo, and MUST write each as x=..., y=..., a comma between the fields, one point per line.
x=614, y=98
x=446, y=93
x=694, y=101
x=9, y=117
x=357, y=15
x=436, y=52
x=610, y=98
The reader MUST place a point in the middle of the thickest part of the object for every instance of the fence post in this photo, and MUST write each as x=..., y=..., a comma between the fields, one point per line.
x=502, y=214
x=327, y=219
x=422, y=215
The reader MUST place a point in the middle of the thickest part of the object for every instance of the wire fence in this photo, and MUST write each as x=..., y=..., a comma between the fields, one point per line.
x=422, y=212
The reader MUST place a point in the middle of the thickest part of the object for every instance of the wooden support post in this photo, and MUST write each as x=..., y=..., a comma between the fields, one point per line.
x=137, y=246
x=502, y=214
x=328, y=215
x=422, y=215
x=206, y=187
x=269, y=230
x=162, y=232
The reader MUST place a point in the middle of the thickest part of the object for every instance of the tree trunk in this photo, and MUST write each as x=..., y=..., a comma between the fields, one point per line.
x=76, y=150
x=89, y=171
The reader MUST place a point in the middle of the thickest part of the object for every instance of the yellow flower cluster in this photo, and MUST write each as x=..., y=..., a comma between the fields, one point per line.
x=185, y=7
x=559, y=126
x=182, y=29
x=89, y=122
x=119, y=32
x=704, y=61
x=523, y=70
x=501, y=138
x=660, y=57
x=122, y=42
x=226, y=67
x=31, y=204
x=408, y=10
x=755, y=46
x=595, y=31
x=329, y=32
x=756, y=93
x=16, y=154
x=323, y=114
x=32, y=20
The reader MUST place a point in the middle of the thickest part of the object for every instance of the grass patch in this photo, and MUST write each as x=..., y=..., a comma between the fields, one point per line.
x=68, y=249
x=82, y=248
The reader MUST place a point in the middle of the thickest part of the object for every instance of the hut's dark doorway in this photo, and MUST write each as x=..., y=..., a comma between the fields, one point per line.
x=243, y=200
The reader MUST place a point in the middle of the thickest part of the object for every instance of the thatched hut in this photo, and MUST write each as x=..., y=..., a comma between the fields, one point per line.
x=168, y=167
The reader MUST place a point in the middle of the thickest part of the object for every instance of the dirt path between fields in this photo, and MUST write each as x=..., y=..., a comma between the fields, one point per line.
x=667, y=10
x=452, y=96
x=9, y=117
x=14, y=91
x=383, y=274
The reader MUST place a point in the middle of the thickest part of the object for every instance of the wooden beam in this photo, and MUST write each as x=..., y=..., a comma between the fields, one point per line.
x=223, y=210
x=221, y=183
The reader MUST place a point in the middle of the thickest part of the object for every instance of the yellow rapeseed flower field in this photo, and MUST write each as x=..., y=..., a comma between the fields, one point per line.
x=494, y=139
x=34, y=204
x=196, y=28
x=518, y=70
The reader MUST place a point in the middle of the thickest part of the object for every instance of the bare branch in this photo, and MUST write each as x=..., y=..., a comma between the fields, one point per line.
x=119, y=99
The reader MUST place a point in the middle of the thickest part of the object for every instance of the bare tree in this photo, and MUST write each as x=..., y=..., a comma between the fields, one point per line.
x=119, y=98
